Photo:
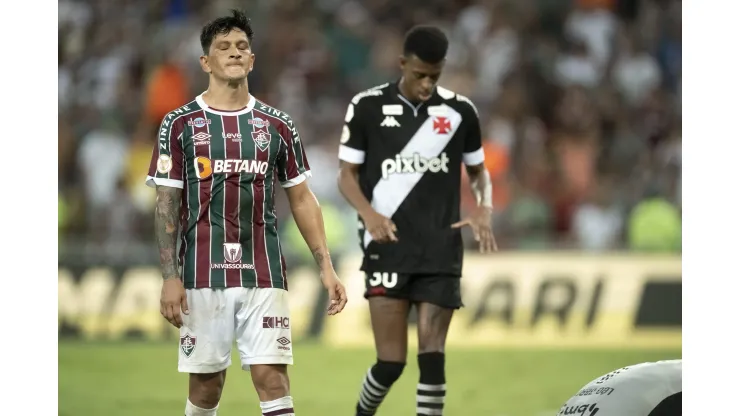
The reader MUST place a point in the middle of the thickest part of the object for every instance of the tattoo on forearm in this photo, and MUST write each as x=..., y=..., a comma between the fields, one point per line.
x=165, y=229
x=318, y=255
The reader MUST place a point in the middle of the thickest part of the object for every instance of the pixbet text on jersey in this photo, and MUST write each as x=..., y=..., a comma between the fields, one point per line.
x=415, y=164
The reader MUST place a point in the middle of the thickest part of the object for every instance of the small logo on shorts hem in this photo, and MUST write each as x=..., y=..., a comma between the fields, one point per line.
x=283, y=343
x=187, y=344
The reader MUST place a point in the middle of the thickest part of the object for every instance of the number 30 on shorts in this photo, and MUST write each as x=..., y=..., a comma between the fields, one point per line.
x=387, y=280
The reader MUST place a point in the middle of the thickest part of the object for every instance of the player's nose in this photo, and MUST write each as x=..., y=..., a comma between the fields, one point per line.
x=427, y=85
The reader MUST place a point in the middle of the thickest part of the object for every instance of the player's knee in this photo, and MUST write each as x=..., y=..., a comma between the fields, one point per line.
x=205, y=390
x=431, y=341
x=387, y=372
x=271, y=383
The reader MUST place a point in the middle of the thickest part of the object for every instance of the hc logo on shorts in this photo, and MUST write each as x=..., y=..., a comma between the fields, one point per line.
x=277, y=322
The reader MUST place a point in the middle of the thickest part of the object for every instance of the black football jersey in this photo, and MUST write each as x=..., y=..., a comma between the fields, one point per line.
x=411, y=159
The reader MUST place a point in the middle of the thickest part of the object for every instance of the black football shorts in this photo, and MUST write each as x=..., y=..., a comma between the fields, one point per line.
x=438, y=289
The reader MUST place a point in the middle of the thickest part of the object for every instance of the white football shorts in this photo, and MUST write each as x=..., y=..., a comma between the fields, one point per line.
x=257, y=318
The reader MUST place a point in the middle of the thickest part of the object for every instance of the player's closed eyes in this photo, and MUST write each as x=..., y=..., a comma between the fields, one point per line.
x=243, y=46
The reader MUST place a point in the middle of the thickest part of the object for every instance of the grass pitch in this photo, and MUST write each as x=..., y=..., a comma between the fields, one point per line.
x=141, y=379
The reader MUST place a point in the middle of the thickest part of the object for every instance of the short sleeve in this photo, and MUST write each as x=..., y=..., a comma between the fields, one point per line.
x=166, y=166
x=473, y=147
x=353, y=142
x=292, y=163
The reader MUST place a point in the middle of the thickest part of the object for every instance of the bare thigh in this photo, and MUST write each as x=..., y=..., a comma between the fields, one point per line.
x=389, y=317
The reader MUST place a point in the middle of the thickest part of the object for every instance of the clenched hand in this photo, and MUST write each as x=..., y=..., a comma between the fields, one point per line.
x=172, y=301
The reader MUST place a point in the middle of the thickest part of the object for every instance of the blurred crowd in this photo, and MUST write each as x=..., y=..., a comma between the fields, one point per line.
x=579, y=100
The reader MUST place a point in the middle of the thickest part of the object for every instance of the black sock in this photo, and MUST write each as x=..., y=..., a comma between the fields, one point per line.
x=430, y=392
x=378, y=380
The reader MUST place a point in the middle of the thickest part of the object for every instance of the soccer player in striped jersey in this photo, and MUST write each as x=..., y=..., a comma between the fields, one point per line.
x=214, y=166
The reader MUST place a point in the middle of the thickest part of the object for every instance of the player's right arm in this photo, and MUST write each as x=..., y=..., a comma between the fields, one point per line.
x=166, y=175
x=352, y=148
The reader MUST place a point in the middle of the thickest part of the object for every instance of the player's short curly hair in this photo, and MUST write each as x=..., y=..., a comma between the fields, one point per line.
x=428, y=43
x=224, y=25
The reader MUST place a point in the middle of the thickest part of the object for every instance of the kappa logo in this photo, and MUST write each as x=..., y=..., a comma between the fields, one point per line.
x=261, y=139
x=390, y=121
x=201, y=138
x=283, y=343
x=199, y=122
x=164, y=164
x=187, y=344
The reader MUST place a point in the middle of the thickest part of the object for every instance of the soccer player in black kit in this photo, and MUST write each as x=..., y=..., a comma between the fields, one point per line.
x=401, y=150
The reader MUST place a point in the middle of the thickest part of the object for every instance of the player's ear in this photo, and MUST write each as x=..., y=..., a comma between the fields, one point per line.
x=251, y=62
x=204, y=64
x=402, y=61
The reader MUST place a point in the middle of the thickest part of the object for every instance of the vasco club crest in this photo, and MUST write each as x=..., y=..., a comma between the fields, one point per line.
x=187, y=344
x=232, y=252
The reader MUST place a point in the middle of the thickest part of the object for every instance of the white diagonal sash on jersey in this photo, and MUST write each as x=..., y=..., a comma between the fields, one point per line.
x=390, y=193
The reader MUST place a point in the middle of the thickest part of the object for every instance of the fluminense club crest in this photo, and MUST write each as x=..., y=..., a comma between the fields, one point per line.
x=261, y=139
x=187, y=344
x=232, y=252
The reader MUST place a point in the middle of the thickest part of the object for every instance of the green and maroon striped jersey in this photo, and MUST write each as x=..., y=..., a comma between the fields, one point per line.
x=226, y=162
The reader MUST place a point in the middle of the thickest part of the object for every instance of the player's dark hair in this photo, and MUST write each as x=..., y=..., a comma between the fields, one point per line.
x=224, y=25
x=428, y=43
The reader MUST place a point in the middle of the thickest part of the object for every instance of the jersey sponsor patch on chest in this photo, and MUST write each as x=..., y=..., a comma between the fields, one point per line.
x=205, y=167
x=392, y=110
x=437, y=110
x=415, y=164
x=232, y=258
x=199, y=122
x=235, y=137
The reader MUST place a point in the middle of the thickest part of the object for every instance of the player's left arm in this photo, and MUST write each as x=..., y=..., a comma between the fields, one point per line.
x=293, y=170
x=480, y=181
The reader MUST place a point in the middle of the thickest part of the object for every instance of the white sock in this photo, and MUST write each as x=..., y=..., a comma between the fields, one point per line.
x=193, y=410
x=278, y=407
